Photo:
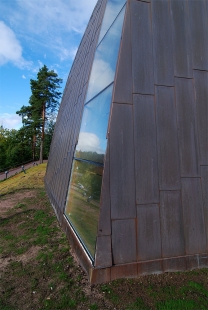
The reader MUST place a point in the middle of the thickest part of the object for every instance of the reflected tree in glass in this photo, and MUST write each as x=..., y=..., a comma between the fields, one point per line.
x=83, y=201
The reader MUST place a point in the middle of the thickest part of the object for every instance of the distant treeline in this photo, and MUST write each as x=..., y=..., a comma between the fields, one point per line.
x=19, y=146
x=91, y=156
x=32, y=141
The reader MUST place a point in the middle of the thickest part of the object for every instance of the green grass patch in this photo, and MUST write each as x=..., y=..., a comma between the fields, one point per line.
x=137, y=305
x=38, y=271
x=34, y=178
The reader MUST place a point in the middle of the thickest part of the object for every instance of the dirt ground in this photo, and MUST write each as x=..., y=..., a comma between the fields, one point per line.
x=39, y=271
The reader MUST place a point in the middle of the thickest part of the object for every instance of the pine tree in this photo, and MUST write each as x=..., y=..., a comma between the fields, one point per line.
x=44, y=101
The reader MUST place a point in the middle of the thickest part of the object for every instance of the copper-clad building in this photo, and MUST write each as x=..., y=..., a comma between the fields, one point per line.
x=127, y=173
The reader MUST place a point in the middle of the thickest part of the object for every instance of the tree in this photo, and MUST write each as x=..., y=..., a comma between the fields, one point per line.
x=48, y=138
x=44, y=101
x=14, y=148
x=30, y=128
x=2, y=149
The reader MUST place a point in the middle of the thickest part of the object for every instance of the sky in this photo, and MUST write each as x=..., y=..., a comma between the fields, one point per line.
x=34, y=33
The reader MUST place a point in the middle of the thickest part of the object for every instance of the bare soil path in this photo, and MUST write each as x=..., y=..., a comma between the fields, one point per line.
x=14, y=171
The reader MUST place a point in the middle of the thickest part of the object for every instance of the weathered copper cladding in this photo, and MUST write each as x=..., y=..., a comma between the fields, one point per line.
x=154, y=198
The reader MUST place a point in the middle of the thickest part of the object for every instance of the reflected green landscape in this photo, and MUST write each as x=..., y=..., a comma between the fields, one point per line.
x=84, y=200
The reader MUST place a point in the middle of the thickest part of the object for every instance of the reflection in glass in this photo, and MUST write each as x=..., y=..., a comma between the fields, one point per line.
x=82, y=208
x=83, y=201
x=113, y=7
x=92, y=138
x=104, y=65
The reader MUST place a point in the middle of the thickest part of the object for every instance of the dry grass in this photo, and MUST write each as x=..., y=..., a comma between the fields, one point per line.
x=34, y=178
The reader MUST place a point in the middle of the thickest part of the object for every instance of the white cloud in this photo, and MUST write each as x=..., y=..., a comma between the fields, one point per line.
x=101, y=76
x=10, y=48
x=50, y=23
x=40, y=63
x=10, y=121
x=112, y=10
x=68, y=15
x=89, y=142
x=23, y=76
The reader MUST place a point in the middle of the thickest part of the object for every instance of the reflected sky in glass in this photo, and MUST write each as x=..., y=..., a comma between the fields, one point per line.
x=82, y=207
x=83, y=201
x=113, y=7
x=92, y=138
x=104, y=65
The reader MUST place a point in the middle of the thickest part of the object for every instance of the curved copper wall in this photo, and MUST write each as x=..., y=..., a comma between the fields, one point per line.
x=70, y=114
x=154, y=199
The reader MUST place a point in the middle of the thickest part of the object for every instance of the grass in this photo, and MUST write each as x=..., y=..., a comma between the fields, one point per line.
x=38, y=271
x=34, y=178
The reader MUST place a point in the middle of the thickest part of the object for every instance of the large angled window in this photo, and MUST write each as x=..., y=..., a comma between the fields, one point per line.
x=83, y=201
x=92, y=138
x=104, y=65
x=113, y=7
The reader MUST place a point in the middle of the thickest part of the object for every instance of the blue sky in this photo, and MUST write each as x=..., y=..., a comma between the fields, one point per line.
x=33, y=33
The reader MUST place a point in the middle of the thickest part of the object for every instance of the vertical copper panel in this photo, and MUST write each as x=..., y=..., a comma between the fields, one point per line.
x=162, y=43
x=167, y=140
x=194, y=226
x=192, y=262
x=148, y=232
x=123, y=79
x=174, y=264
x=181, y=38
x=172, y=232
x=147, y=184
x=204, y=176
x=124, y=271
x=103, y=256
x=122, y=180
x=142, y=54
x=104, y=224
x=61, y=185
x=149, y=267
x=197, y=261
x=188, y=147
x=201, y=91
x=100, y=275
x=203, y=260
x=124, y=241
x=68, y=163
x=199, y=26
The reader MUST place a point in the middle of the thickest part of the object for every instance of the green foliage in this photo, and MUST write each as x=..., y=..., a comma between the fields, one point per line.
x=26, y=144
x=14, y=148
x=137, y=305
x=93, y=307
x=49, y=129
x=109, y=292
x=179, y=304
x=38, y=117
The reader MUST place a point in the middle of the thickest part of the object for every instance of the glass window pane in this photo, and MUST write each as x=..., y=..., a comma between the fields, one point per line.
x=104, y=65
x=83, y=201
x=92, y=138
x=113, y=7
